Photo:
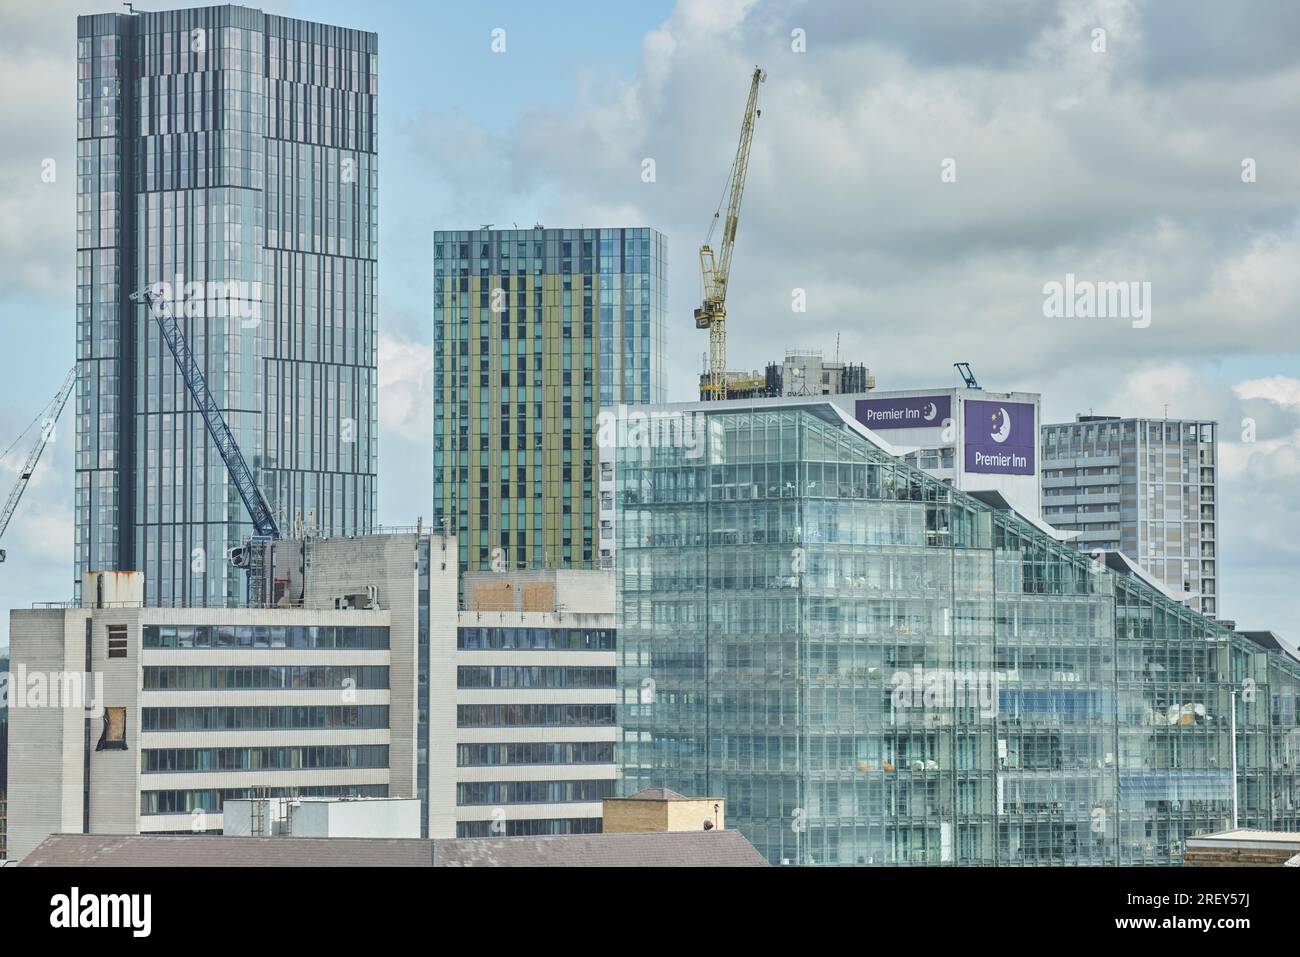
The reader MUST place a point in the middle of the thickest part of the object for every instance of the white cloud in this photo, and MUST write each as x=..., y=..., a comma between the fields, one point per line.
x=43, y=532
x=845, y=200
x=405, y=389
x=1279, y=389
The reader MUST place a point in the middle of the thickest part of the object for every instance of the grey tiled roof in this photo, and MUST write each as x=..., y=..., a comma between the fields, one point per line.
x=657, y=849
x=639, y=849
x=184, y=850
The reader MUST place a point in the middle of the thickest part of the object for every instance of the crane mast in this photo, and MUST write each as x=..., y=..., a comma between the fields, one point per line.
x=716, y=270
x=34, y=456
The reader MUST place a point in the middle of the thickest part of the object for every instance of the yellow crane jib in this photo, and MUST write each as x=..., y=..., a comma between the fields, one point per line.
x=716, y=270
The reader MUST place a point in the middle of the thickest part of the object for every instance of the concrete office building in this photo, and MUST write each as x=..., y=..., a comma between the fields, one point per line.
x=230, y=154
x=534, y=687
x=803, y=372
x=183, y=727
x=872, y=666
x=535, y=330
x=362, y=680
x=807, y=372
x=4, y=752
x=1145, y=487
x=4, y=757
x=190, y=707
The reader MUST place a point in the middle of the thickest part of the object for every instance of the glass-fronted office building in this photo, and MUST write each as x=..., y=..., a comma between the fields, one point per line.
x=535, y=330
x=232, y=155
x=1144, y=487
x=873, y=668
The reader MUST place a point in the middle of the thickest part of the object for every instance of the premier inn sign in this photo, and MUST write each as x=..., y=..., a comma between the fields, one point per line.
x=1001, y=438
x=904, y=412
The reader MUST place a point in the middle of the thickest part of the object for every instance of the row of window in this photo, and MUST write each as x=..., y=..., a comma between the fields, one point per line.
x=163, y=760
x=533, y=676
x=289, y=678
x=535, y=716
x=265, y=718
x=532, y=792
x=535, y=752
x=266, y=636
x=535, y=827
x=212, y=799
x=538, y=639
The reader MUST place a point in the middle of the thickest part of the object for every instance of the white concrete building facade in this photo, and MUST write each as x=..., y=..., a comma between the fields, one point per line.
x=364, y=679
x=534, y=687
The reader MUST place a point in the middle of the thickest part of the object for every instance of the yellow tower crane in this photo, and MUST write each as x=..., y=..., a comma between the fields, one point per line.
x=715, y=271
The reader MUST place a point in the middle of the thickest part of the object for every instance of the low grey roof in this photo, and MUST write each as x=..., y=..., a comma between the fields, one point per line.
x=639, y=849
x=644, y=849
x=1273, y=642
x=655, y=794
x=198, y=850
x=1247, y=838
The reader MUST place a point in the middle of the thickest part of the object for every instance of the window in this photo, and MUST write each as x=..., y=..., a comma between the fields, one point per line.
x=117, y=641
x=113, y=737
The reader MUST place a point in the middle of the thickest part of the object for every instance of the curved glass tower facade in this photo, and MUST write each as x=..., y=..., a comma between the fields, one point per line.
x=231, y=155
x=874, y=668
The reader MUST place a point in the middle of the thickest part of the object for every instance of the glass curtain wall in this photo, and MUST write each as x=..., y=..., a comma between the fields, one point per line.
x=873, y=668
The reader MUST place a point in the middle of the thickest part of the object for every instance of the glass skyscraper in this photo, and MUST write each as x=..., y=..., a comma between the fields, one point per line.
x=535, y=330
x=1144, y=487
x=874, y=668
x=230, y=154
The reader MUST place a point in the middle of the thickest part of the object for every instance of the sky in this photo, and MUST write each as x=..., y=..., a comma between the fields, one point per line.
x=920, y=171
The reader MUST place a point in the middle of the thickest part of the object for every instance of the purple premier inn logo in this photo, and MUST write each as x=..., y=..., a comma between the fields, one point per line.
x=904, y=412
x=1001, y=438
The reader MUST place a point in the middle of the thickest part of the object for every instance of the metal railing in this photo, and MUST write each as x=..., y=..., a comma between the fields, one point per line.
x=283, y=605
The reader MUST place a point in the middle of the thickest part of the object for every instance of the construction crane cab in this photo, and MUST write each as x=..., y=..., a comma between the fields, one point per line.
x=707, y=311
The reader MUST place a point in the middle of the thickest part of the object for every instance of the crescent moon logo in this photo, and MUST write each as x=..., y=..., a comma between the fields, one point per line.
x=931, y=410
x=1002, y=432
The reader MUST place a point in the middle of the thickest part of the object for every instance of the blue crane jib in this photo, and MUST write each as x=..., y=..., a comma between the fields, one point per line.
x=240, y=473
x=34, y=456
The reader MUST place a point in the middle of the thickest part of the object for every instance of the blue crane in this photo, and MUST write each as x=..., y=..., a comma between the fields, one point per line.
x=963, y=369
x=259, y=510
x=29, y=465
